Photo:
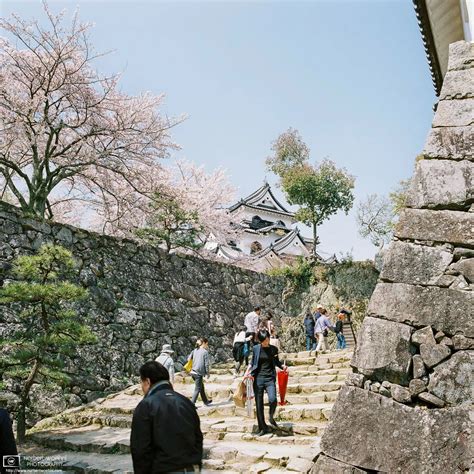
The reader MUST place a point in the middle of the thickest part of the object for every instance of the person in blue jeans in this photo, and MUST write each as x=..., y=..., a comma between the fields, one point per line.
x=309, y=331
x=263, y=370
x=339, y=330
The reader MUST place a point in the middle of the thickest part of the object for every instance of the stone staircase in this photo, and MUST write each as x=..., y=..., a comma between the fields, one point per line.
x=95, y=438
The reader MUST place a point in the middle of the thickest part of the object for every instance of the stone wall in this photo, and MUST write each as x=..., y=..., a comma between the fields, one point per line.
x=139, y=299
x=406, y=405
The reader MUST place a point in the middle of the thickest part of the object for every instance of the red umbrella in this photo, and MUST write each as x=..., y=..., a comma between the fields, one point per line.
x=282, y=384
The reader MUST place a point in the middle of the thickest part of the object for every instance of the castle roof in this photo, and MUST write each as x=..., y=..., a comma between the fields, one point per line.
x=263, y=199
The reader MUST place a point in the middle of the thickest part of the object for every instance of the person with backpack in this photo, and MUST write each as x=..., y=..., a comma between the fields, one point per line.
x=200, y=369
x=339, y=330
x=241, y=349
x=166, y=435
x=166, y=360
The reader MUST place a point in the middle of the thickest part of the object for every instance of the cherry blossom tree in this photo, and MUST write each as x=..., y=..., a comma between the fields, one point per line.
x=67, y=133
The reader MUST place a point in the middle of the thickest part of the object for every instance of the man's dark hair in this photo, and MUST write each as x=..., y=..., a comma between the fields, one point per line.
x=154, y=371
x=257, y=308
x=269, y=315
x=263, y=334
x=204, y=340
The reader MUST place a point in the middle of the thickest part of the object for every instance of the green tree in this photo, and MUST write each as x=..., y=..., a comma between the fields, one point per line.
x=289, y=150
x=47, y=329
x=320, y=191
x=170, y=225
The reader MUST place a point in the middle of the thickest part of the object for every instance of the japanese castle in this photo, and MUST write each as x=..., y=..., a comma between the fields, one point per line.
x=267, y=239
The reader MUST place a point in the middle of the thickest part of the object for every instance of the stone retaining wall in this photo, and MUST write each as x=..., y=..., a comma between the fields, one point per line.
x=406, y=405
x=139, y=299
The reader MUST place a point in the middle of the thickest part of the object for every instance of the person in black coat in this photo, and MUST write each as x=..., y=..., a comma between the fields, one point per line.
x=166, y=434
x=7, y=440
x=263, y=370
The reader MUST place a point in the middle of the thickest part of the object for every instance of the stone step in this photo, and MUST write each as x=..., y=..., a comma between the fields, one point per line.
x=88, y=439
x=312, y=370
x=83, y=462
x=242, y=425
x=242, y=456
x=316, y=411
x=314, y=387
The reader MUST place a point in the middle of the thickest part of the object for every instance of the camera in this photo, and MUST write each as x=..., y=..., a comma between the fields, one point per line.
x=11, y=461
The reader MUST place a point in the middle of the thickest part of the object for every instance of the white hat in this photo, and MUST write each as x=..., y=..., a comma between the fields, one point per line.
x=167, y=349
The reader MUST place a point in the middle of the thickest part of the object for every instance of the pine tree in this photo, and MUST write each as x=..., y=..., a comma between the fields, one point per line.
x=47, y=329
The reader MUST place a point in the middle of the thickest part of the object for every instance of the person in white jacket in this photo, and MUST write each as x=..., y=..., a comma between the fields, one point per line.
x=166, y=360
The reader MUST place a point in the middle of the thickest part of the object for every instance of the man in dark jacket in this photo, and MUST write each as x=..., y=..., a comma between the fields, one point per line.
x=166, y=435
x=8, y=451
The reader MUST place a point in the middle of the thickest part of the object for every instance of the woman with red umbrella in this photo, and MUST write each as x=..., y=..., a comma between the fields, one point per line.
x=263, y=370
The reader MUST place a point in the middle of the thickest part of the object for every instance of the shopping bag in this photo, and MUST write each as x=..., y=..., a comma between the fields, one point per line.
x=240, y=396
x=189, y=365
x=250, y=396
x=282, y=377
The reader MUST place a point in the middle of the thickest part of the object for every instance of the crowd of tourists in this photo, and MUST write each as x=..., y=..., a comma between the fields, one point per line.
x=166, y=435
x=317, y=326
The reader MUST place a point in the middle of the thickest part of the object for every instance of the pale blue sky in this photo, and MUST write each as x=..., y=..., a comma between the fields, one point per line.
x=351, y=76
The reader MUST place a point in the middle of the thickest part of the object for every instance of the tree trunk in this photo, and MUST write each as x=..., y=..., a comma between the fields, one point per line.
x=315, y=238
x=21, y=422
x=21, y=419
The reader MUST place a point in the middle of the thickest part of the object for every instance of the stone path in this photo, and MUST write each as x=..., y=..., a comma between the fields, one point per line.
x=96, y=437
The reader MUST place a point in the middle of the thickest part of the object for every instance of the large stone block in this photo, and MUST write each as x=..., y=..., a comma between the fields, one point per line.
x=416, y=264
x=441, y=183
x=461, y=55
x=444, y=309
x=458, y=84
x=450, y=143
x=454, y=113
x=383, y=435
x=454, y=227
x=453, y=380
x=383, y=351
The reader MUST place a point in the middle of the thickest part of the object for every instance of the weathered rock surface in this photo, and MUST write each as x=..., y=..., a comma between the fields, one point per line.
x=431, y=399
x=421, y=287
x=465, y=267
x=444, y=309
x=458, y=84
x=450, y=143
x=419, y=369
x=414, y=264
x=433, y=354
x=416, y=387
x=327, y=465
x=423, y=336
x=355, y=379
x=400, y=394
x=383, y=350
x=461, y=342
x=461, y=56
x=392, y=437
x=455, y=227
x=453, y=380
x=438, y=183
x=454, y=113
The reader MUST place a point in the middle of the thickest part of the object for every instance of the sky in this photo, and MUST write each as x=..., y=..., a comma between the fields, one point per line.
x=350, y=76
